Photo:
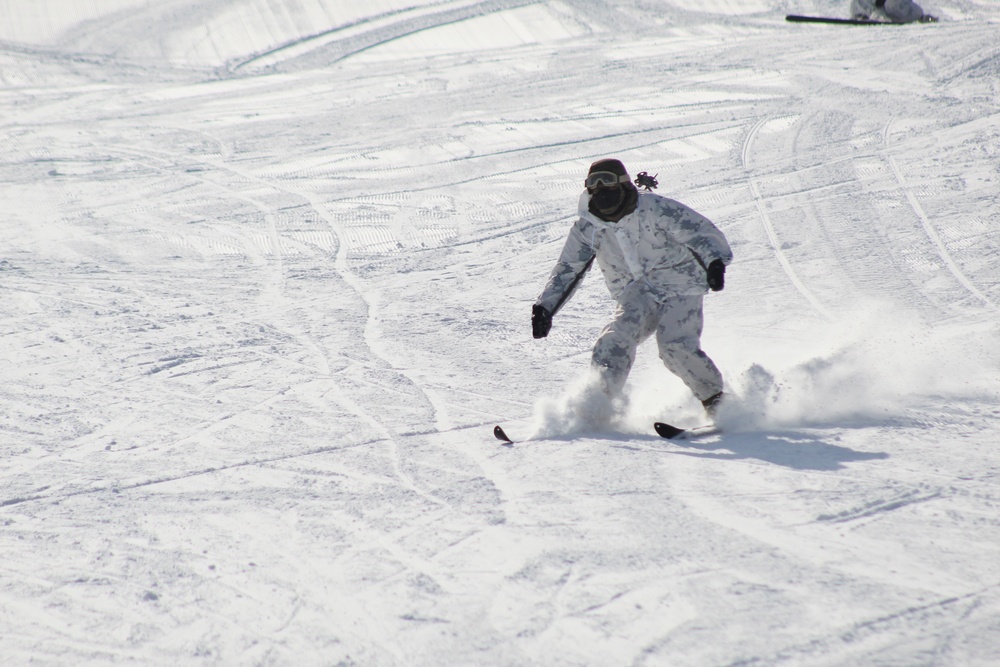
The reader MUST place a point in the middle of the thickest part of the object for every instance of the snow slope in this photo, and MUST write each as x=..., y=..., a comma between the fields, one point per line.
x=266, y=269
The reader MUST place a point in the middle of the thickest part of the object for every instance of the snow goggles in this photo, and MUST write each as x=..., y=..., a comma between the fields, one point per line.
x=605, y=179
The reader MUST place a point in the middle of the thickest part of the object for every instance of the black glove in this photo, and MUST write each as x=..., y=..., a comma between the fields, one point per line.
x=716, y=275
x=541, y=321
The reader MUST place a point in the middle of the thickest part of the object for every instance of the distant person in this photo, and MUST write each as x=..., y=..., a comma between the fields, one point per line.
x=659, y=259
x=896, y=11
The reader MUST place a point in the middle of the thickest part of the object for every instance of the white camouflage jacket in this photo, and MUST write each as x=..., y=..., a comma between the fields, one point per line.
x=663, y=243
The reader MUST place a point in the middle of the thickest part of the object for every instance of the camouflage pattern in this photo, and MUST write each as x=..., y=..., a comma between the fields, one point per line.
x=656, y=244
x=898, y=11
x=677, y=323
x=653, y=264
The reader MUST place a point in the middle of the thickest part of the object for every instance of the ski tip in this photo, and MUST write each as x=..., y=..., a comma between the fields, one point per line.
x=500, y=435
x=666, y=430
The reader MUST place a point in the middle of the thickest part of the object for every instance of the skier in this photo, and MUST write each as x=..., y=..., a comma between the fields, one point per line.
x=897, y=11
x=659, y=258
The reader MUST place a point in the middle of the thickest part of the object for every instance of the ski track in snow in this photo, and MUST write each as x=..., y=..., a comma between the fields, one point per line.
x=266, y=272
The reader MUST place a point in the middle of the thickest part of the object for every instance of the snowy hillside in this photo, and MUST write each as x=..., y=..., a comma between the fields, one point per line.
x=266, y=269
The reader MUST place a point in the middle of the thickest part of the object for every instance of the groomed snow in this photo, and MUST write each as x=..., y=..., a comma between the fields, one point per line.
x=266, y=269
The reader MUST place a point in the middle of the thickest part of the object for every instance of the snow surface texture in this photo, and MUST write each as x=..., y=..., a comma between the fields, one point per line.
x=266, y=270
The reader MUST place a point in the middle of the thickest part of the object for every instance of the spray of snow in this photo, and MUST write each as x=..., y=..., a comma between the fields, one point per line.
x=583, y=407
x=877, y=366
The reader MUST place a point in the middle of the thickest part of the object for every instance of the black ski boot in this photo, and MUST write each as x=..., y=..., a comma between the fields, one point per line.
x=712, y=404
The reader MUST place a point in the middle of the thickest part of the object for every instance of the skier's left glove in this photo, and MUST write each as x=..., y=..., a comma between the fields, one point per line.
x=541, y=321
x=716, y=275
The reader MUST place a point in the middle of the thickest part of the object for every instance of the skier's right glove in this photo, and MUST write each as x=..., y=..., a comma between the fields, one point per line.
x=716, y=275
x=541, y=321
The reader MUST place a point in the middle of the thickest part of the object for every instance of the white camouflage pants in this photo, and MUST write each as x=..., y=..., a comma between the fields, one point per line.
x=677, y=323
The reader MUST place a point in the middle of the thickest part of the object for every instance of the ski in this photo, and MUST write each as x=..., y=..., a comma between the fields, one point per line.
x=662, y=429
x=794, y=18
x=674, y=433
x=500, y=435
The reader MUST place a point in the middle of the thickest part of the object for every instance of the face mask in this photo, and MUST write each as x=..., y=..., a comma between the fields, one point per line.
x=607, y=200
